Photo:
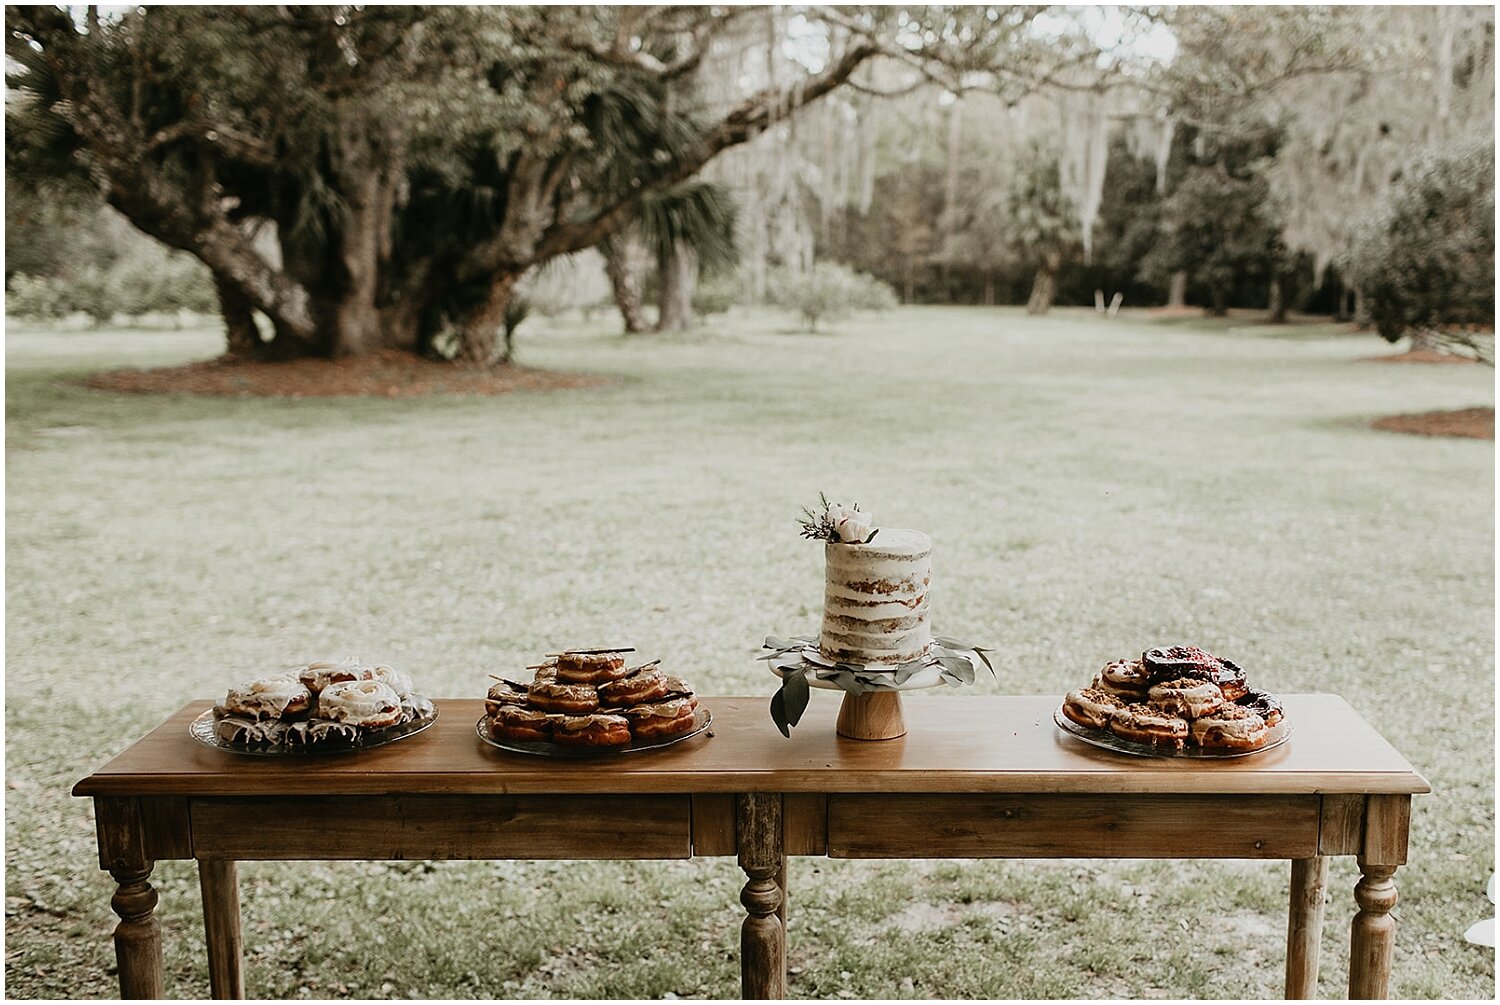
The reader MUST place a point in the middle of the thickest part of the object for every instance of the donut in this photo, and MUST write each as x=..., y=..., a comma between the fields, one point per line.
x=676, y=685
x=316, y=676
x=1149, y=724
x=658, y=722
x=1126, y=675
x=522, y=725
x=1091, y=707
x=636, y=690
x=1128, y=695
x=547, y=671
x=504, y=692
x=590, y=668
x=1188, y=697
x=281, y=697
x=365, y=703
x=1232, y=727
x=1264, y=704
x=573, y=699
x=399, y=682
x=592, y=731
x=1231, y=680
x=1176, y=662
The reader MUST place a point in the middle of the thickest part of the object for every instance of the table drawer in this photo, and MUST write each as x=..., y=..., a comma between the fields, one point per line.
x=443, y=827
x=963, y=825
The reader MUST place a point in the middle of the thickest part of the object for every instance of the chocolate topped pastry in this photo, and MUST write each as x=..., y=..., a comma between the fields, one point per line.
x=1264, y=704
x=591, y=667
x=504, y=692
x=1176, y=662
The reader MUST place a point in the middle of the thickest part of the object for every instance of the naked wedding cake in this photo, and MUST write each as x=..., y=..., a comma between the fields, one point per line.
x=875, y=610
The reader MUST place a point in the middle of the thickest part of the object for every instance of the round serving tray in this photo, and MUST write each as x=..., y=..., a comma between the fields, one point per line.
x=703, y=718
x=202, y=730
x=1278, y=735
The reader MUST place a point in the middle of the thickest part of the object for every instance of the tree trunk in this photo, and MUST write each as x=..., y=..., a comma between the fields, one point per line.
x=1361, y=311
x=1177, y=290
x=623, y=281
x=1219, y=307
x=479, y=330
x=241, y=337
x=679, y=279
x=1044, y=285
x=1277, y=306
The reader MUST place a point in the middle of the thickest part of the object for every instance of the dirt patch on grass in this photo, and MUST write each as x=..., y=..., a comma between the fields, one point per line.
x=1474, y=423
x=382, y=375
x=1420, y=356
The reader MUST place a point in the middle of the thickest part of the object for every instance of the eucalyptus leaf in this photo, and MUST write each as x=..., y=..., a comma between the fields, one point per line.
x=948, y=643
x=905, y=671
x=795, y=688
x=958, y=667
x=772, y=642
x=778, y=711
x=807, y=638
x=981, y=654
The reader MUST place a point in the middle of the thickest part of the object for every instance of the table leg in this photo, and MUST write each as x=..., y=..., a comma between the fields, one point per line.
x=1304, y=927
x=218, y=879
x=122, y=851
x=762, y=936
x=1372, y=936
x=138, y=935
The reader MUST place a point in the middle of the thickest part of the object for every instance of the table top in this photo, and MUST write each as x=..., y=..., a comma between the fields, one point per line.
x=954, y=743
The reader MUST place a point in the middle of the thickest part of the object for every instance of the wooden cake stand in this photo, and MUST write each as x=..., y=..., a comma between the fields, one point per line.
x=875, y=715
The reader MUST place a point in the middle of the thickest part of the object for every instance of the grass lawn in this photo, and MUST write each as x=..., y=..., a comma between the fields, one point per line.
x=1092, y=488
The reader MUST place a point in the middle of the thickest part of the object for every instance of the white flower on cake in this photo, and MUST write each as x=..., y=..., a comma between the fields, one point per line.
x=854, y=528
x=838, y=524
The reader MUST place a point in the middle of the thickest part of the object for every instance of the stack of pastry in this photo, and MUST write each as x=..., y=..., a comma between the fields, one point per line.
x=1177, y=697
x=320, y=705
x=590, y=698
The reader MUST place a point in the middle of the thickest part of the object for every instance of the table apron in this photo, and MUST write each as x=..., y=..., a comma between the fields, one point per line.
x=1072, y=826
x=442, y=827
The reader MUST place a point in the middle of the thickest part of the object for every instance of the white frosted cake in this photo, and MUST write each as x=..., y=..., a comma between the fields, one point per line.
x=875, y=603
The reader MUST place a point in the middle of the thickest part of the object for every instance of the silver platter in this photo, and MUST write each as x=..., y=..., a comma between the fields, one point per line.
x=703, y=719
x=1277, y=735
x=202, y=730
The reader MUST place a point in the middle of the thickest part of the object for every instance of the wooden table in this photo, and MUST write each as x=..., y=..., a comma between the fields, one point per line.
x=976, y=777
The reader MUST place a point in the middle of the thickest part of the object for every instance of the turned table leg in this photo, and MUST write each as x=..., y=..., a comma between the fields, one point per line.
x=122, y=851
x=1372, y=936
x=763, y=935
x=138, y=935
x=1304, y=927
x=218, y=879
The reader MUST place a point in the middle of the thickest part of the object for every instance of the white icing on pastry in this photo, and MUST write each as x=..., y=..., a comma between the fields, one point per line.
x=361, y=703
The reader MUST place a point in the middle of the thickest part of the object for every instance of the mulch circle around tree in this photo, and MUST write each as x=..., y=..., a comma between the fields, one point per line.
x=1474, y=423
x=380, y=375
x=1420, y=356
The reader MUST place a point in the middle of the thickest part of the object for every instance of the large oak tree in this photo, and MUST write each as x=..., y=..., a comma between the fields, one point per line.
x=369, y=178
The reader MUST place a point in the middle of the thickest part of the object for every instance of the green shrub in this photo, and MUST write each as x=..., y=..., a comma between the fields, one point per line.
x=1427, y=260
x=715, y=294
x=149, y=282
x=34, y=297
x=828, y=292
